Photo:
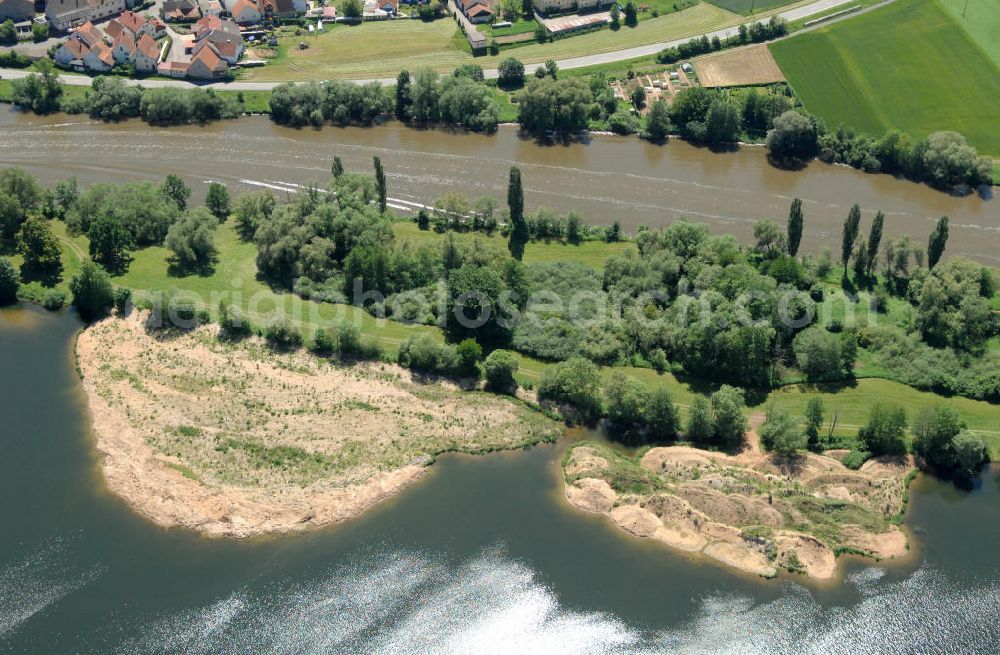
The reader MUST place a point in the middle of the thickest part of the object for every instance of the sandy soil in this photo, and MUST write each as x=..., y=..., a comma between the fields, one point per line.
x=738, y=67
x=748, y=511
x=235, y=440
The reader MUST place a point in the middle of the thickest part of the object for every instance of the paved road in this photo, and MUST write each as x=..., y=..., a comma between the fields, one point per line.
x=574, y=62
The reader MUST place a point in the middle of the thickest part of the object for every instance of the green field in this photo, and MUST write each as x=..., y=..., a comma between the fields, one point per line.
x=981, y=21
x=908, y=65
x=746, y=6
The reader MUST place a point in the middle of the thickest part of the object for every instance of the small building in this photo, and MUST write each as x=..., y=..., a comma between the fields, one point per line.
x=176, y=69
x=89, y=34
x=65, y=14
x=123, y=48
x=69, y=51
x=207, y=64
x=282, y=8
x=17, y=10
x=546, y=7
x=147, y=54
x=180, y=11
x=477, y=11
x=99, y=58
x=245, y=12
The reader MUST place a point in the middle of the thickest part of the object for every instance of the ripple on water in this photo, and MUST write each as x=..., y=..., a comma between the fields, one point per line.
x=31, y=584
x=411, y=603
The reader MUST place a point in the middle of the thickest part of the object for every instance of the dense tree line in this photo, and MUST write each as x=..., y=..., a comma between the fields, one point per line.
x=756, y=32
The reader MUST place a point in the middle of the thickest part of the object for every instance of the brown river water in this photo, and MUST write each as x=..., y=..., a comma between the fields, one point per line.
x=608, y=178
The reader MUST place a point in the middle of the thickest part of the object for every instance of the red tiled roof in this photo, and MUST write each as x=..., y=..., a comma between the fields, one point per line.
x=148, y=47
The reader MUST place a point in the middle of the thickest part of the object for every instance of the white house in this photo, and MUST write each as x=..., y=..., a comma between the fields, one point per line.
x=64, y=14
x=99, y=58
x=146, y=55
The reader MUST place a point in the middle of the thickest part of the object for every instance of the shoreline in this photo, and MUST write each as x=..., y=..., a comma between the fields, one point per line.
x=183, y=490
x=690, y=518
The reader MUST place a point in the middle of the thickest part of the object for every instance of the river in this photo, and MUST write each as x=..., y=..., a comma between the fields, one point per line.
x=609, y=178
x=481, y=556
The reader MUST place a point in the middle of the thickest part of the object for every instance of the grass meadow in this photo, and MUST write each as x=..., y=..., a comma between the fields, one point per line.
x=909, y=65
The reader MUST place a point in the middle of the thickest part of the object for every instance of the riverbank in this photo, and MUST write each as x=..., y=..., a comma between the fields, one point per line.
x=236, y=440
x=750, y=512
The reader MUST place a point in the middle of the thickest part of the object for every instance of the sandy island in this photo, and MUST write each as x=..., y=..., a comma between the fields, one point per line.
x=233, y=439
x=749, y=511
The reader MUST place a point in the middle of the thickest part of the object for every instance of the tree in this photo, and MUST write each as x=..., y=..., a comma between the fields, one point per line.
x=729, y=424
x=8, y=282
x=510, y=73
x=22, y=187
x=39, y=32
x=948, y=160
x=552, y=68
x=657, y=122
x=93, y=293
x=934, y=431
x=874, y=242
x=501, y=365
x=814, y=421
x=515, y=203
x=699, y=425
x=547, y=105
x=217, y=200
x=662, y=417
x=936, y=242
x=615, y=16
x=110, y=243
x=954, y=309
x=638, y=97
x=403, y=100
x=849, y=235
x=626, y=400
x=792, y=137
x=337, y=169
x=794, y=229
x=40, y=250
x=883, y=434
x=575, y=382
x=380, y=183
x=631, y=14
x=722, y=122
x=614, y=233
x=818, y=353
x=770, y=240
x=353, y=8
x=192, y=240
x=254, y=208
x=38, y=92
x=8, y=33
x=469, y=353
x=970, y=454
x=780, y=432
x=173, y=187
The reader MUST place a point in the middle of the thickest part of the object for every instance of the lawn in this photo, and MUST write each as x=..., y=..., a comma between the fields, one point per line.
x=981, y=21
x=382, y=49
x=746, y=6
x=520, y=27
x=908, y=65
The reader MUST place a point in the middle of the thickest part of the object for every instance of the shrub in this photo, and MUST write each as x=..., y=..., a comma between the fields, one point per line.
x=500, y=367
x=324, y=342
x=8, y=282
x=854, y=459
x=575, y=382
x=122, y=299
x=280, y=334
x=54, y=299
x=93, y=293
x=232, y=322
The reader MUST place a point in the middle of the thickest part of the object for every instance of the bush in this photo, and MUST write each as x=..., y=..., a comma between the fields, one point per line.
x=575, y=382
x=324, y=342
x=855, y=459
x=122, y=299
x=93, y=293
x=54, y=299
x=501, y=365
x=281, y=335
x=8, y=282
x=623, y=122
x=421, y=352
x=231, y=321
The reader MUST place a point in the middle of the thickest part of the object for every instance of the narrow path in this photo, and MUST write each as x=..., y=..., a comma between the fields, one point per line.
x=573, y=62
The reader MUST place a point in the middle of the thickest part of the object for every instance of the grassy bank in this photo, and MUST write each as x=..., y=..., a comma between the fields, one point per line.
x=856, y=71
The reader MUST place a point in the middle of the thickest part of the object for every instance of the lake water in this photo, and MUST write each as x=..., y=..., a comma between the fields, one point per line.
x=607, y=179
x=481, y=556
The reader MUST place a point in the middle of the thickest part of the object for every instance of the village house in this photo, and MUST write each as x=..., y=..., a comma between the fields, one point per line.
x=546, y=7
x=65, y=14
x=70, y=53
x=180, y=11
x=17, y=10
x=245, y=12
x=146, y=55
x=130, y=22
x=99, y=58
x=477, y=11
x=123, y=48
x=223, y=34
x=207, y=64
x=282, y=8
